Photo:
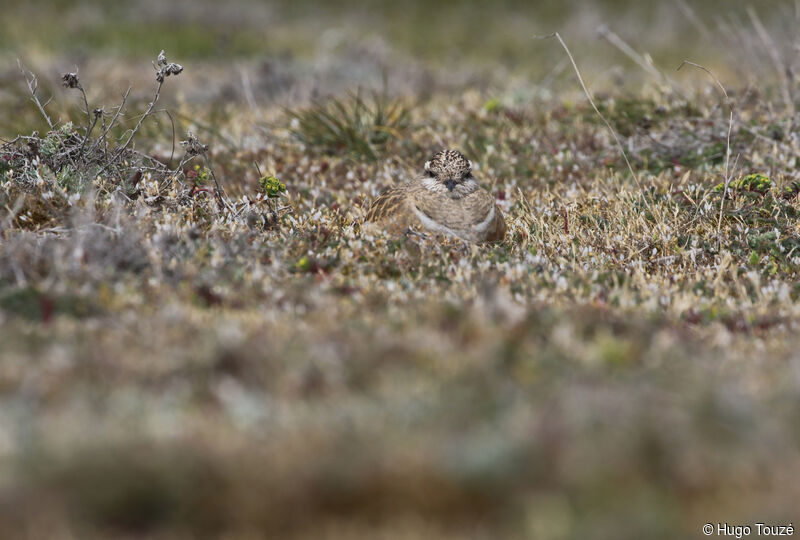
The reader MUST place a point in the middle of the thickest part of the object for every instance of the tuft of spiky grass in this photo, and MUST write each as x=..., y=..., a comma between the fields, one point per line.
x=354, y=125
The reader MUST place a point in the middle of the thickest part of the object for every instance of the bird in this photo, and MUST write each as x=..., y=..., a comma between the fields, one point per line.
x=445, y=199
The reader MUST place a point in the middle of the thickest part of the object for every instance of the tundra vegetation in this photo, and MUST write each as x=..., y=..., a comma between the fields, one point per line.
x=198, y=340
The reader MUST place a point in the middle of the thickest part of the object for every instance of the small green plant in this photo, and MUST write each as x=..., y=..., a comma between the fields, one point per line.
x=70, y=180
x=55, y=141
x=272, y=187
x=492, y=105
x=752, y=182
x=354, y=125
x=788, y=192
x=199, y=176
x=303, y=265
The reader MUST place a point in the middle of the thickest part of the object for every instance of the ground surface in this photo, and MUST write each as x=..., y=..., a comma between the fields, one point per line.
x=624, y=365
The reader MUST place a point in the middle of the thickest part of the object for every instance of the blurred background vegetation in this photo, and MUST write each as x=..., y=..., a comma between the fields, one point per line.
x=493, y=31
x=289, y=51
x=474, y=32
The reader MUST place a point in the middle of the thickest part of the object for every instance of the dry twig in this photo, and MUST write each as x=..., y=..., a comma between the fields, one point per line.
x=730, y=129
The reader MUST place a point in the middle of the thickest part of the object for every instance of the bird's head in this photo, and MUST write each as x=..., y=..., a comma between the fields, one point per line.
x=449, y=170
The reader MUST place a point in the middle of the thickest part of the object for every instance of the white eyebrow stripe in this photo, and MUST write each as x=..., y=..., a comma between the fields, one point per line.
x=431, y=184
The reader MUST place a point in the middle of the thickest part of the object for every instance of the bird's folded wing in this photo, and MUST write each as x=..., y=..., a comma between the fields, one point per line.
x=387, y=205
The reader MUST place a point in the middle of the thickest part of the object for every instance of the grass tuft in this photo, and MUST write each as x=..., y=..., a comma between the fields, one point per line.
x=357, y=126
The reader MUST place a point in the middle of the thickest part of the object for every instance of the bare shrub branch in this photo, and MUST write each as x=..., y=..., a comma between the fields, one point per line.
x=33, y=87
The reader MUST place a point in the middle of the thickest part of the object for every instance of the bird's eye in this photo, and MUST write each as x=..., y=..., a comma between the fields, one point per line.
x=468, y=175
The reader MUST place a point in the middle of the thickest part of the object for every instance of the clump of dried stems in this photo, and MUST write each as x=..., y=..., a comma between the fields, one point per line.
x=76, y=156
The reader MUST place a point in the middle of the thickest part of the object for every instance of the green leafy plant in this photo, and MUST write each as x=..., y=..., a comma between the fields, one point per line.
x=493, y=105
x=752, y=182
x=272, y=187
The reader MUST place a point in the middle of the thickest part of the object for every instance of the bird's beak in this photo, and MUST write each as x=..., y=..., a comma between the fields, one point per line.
x=450, y=184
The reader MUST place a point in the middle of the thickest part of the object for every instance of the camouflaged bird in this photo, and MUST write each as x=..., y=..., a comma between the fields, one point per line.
x=445, y=200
